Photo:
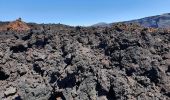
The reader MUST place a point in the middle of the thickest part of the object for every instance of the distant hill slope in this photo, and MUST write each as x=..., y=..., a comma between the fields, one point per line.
x=158, y=21
x=102, y=24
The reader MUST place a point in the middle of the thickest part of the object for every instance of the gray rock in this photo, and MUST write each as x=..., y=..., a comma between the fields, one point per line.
x=49, y=62
x=10, y=91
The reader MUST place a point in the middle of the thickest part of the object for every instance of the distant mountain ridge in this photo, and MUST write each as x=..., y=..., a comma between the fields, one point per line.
x=158, y=21
x=103, y=24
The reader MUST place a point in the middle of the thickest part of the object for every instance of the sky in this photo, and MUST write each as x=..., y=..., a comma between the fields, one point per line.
x=80, y=12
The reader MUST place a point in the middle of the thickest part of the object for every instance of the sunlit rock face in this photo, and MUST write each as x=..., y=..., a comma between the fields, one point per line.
x=17, y=25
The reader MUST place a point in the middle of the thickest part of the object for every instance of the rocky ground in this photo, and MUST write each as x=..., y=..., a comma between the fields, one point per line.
x=58, y=62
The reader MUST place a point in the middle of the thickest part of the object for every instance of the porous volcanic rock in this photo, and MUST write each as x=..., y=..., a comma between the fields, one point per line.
x=58, y=62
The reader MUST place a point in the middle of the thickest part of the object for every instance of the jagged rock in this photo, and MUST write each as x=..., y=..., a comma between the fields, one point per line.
x=1, y=54
x=22, y=69
x=49, y=62
x=10, y=91
x=18, y=25
x=167, y=62
x=166, y=56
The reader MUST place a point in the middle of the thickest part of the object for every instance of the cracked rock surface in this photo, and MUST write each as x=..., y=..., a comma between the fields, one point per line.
x=58, y=62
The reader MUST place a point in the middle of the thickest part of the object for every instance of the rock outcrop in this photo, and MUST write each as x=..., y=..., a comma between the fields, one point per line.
x=17, y=25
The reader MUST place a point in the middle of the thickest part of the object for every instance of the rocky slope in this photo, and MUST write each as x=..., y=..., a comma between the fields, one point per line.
x=158, y=21
x=58, y=62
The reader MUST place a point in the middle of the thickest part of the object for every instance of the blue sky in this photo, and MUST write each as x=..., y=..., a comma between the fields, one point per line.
x=80, y=12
